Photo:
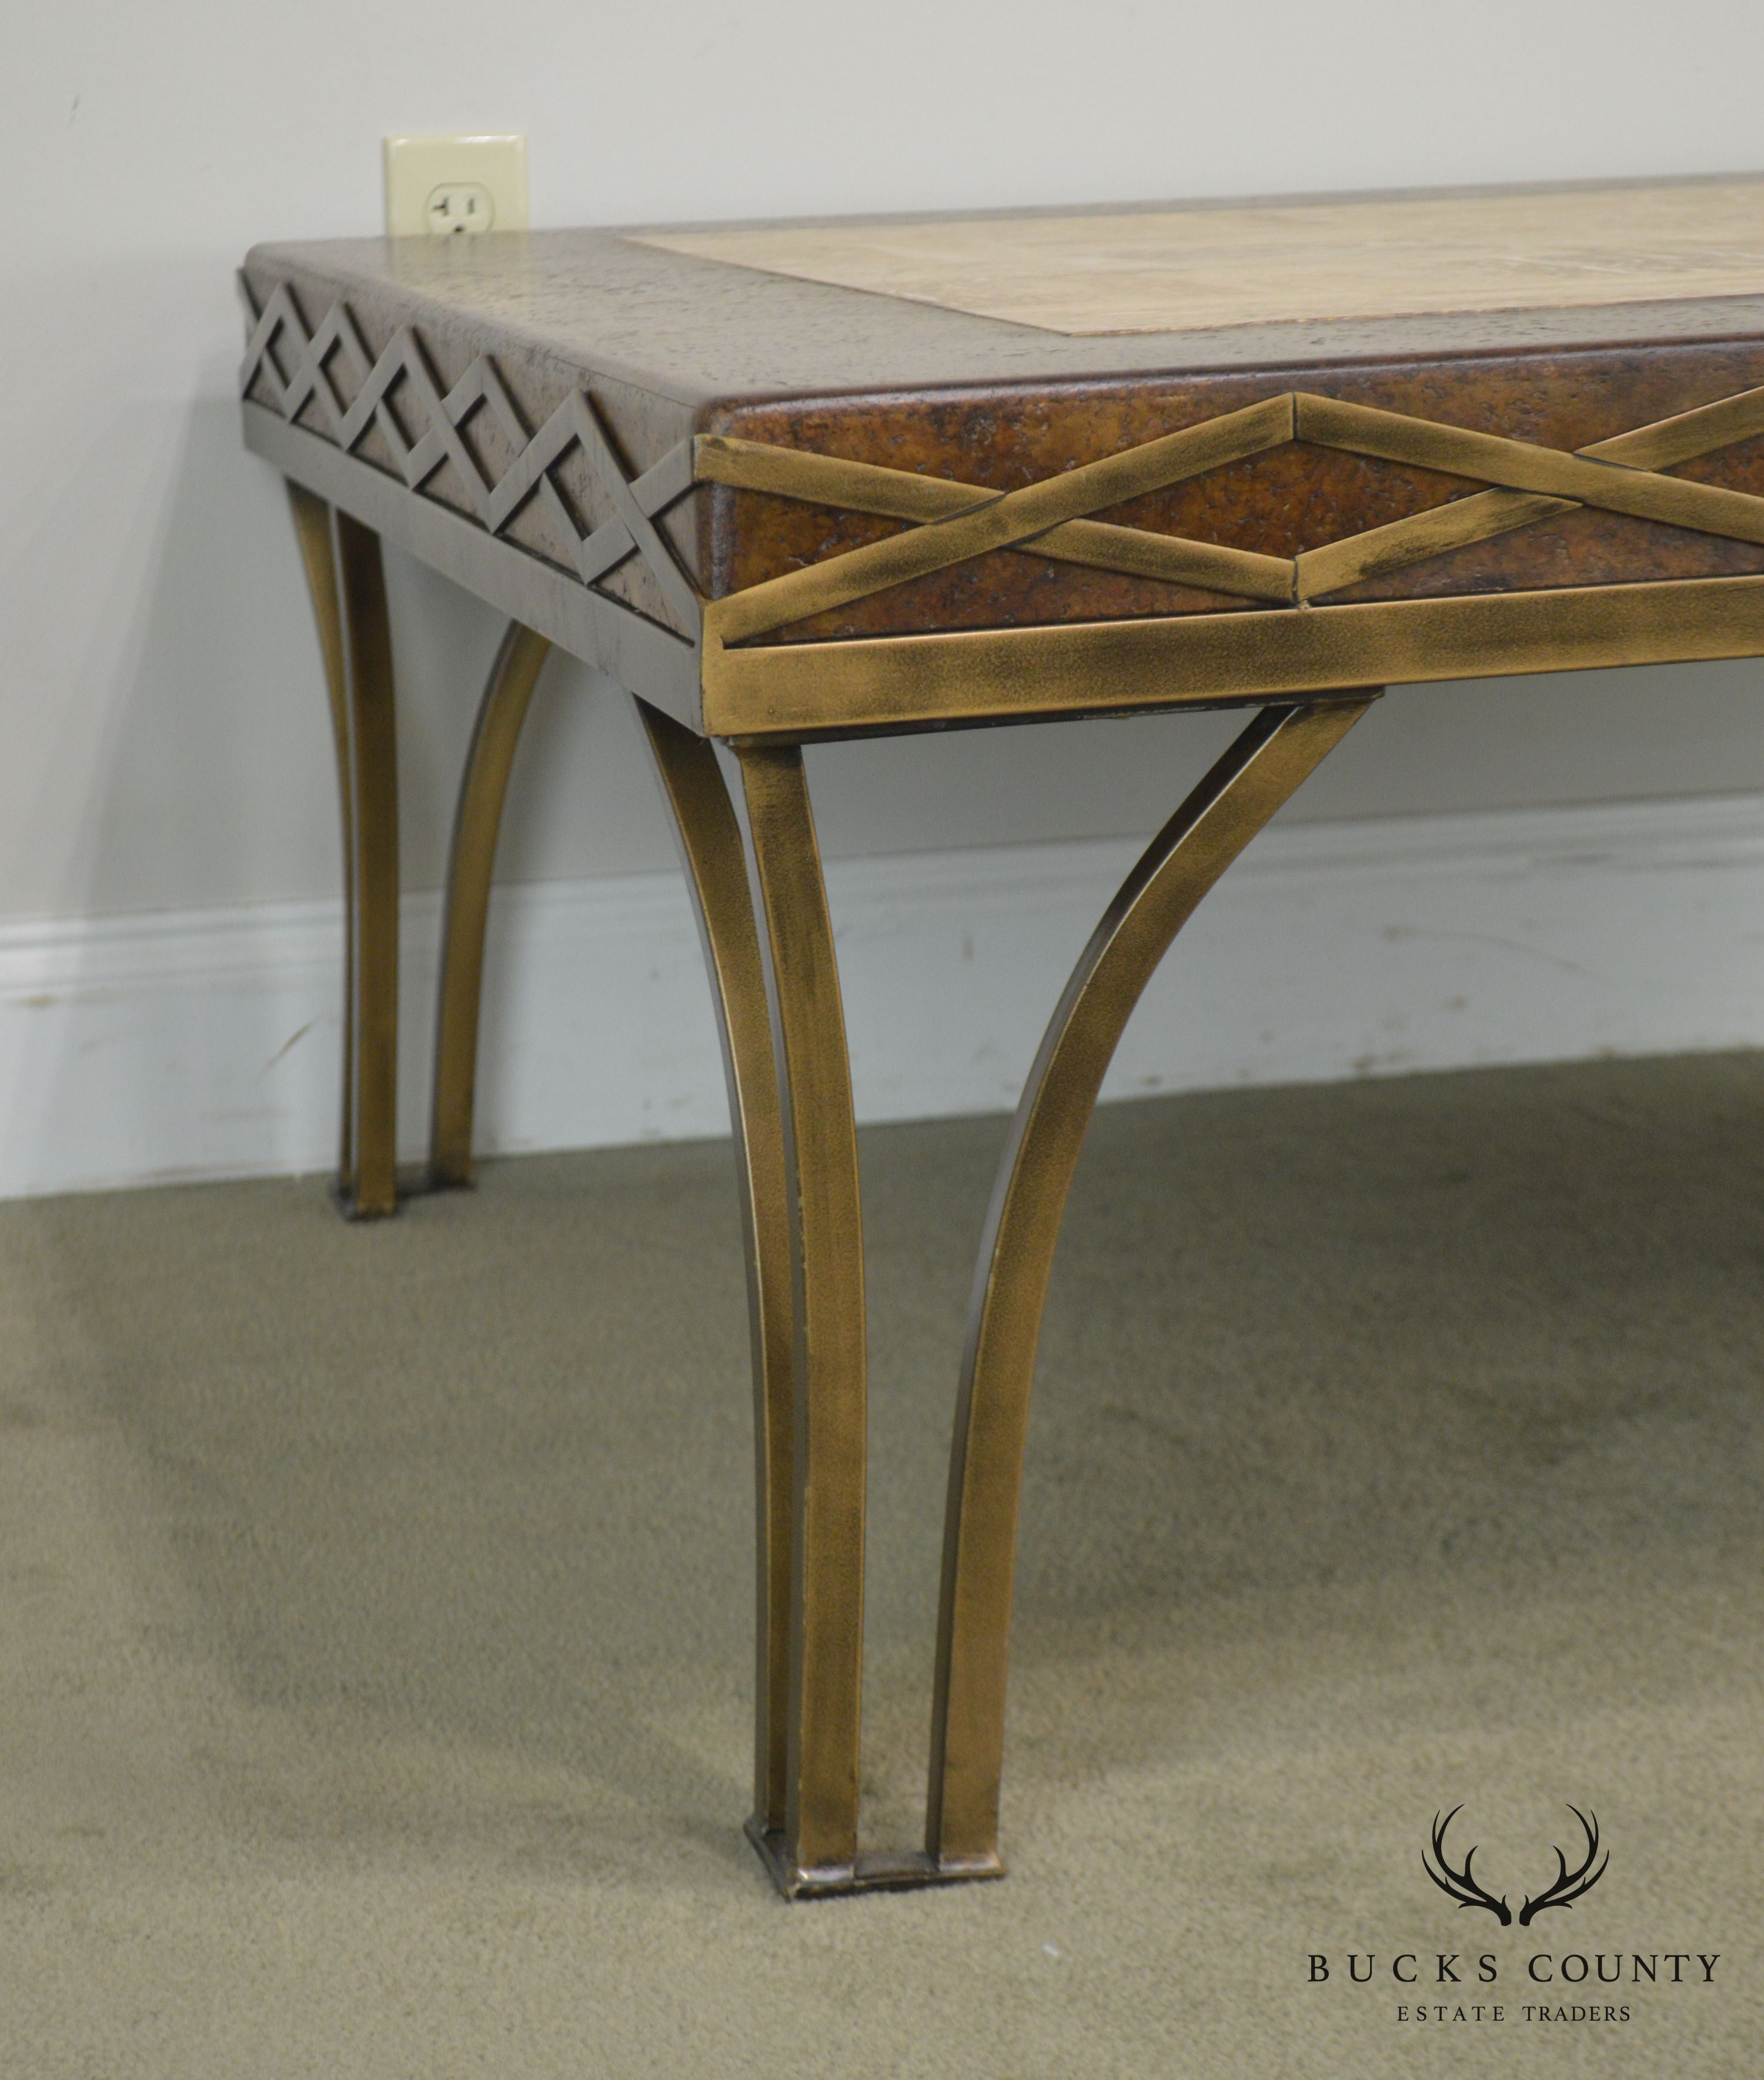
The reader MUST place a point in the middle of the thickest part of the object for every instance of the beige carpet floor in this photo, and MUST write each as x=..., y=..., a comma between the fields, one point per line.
x=375, y=1623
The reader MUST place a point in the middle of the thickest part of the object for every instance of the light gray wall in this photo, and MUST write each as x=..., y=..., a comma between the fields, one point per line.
x=164, y=738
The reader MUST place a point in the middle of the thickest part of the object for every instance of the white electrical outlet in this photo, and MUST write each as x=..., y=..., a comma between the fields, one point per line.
x=450, y=187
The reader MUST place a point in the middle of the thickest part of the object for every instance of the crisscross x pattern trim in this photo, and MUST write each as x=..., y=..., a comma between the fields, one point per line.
x=1049, y=518
x=294, y=367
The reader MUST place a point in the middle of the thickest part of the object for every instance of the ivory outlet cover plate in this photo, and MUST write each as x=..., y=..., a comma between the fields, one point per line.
x=451, y=186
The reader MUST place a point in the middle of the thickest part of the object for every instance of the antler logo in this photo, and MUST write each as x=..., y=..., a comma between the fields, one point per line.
x=1461, y=1886
x=1569, y=1884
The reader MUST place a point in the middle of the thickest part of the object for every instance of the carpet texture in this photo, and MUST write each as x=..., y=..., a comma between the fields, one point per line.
x=377, y=1623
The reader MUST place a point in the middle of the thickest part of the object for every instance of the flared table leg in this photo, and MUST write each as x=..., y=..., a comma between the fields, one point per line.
x=318, y=559
x=777, y=993
x=345, y=577
x=1260, y=771
x=817, y=1848
x=710, y=850
x=483, y=789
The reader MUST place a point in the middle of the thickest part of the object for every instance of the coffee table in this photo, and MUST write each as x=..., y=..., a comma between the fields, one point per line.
x=790, y=482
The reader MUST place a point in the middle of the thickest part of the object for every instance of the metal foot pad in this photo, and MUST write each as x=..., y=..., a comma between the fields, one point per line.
x=879, y=1873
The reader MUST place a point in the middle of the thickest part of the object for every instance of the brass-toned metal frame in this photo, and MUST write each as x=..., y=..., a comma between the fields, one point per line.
x=1283, y=642
x=782, y=1026
x=347, y=583
x=862, y=685
x=709, y=840
x=1311, y=668
x=1276, y=751
x=471, y=863
x=819, y=1138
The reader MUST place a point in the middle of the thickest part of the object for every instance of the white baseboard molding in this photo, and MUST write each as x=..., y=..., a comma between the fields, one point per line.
x=138, y=1049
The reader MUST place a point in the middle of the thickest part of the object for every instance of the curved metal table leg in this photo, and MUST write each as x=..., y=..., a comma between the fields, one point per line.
x=508, y=693
x=347, y=583
x=709, y=842
x=318, y=557
x=1262, y=768
x=817, y=1850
